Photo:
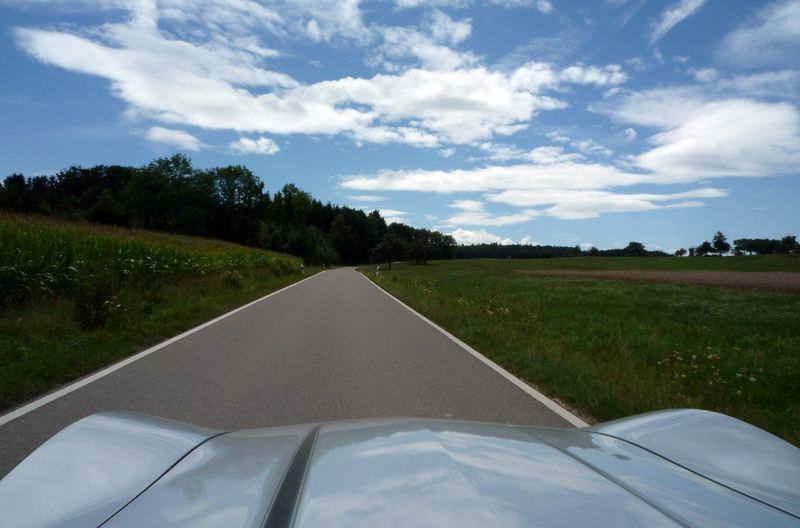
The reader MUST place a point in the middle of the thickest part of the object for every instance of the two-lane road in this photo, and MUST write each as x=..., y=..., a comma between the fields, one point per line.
x=330, y=348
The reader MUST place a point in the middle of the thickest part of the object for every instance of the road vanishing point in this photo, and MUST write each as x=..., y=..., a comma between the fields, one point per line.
x=331, y=347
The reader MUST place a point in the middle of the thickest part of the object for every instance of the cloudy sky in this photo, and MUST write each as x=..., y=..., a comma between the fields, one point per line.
x=550, y=121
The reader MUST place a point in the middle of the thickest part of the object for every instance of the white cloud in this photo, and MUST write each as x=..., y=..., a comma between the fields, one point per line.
x=366, y=197
x=551, y=155
x=429, y=45
x=393, y=216
x=392, y=212
x=467, y=205
x=176, y=138
x=566, y=175
x=445, y=29
x=697, y=139
x=659, y=108
x=473, y=212
x=703, y=138
x=419, y=107
x=705, y=75
x=541, y=155
x=587, y=146
x=772, y=38
x=528, y=240
x=591, y=147
x=577, y=204
x=261, y=145
x=784, y=84
x=673, y=15
x=483, y=218
x=220, y=78
x=466, y=237
x=629, y=133
x=609, y=75
x=563, y=190
x=735, y=137
x=558, y=137
x=544, y=6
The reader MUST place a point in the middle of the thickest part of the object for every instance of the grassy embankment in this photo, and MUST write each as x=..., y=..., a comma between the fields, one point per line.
x=76, y=297
x=615, y=348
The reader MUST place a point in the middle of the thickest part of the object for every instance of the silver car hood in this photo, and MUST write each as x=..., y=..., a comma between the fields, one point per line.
x=671, y=468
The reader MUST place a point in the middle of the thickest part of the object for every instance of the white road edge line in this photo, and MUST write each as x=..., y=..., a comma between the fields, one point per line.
x=530, y=391
x=44, y=400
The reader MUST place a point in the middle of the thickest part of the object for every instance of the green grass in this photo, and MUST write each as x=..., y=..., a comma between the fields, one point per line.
x=76, y=297
x=744, y=263
x=615, y=348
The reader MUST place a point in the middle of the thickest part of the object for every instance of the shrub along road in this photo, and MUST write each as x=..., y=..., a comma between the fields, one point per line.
x=332, y=347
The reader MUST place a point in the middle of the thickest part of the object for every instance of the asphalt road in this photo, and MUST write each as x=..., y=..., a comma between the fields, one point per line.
x=334, y=347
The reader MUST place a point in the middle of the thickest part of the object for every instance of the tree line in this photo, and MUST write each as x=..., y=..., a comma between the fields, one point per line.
x=228, y=203
x=530, y=251
x=719, y=245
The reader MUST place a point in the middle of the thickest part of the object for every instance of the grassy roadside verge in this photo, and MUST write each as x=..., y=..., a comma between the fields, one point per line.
x=75, y=298
x=613, y=348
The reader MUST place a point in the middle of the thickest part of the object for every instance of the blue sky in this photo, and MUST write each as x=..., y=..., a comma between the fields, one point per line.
x=555, y=122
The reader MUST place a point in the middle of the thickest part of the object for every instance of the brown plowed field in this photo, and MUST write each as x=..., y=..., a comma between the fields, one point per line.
x=782, y=281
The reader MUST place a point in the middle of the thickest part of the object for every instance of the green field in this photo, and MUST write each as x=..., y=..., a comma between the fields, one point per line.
x=614, y=348
x=76, y=297
x=751, y=263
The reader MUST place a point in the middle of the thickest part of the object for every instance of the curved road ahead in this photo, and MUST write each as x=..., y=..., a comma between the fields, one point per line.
x=330, y=348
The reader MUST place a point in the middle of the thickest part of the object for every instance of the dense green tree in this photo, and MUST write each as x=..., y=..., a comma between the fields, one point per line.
x=351, y=236
x=720, y=243
x=224, y=202
x=635, y=249
x=789, y=244
x=240, y=202
x=419, y=251
x=704, y=249
x=15, y=194
x=390, y=249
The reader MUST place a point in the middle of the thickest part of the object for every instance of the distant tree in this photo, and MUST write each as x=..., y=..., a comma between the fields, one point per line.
x=419, y=252
x=442, y=246
x=635, y=249
x=681, y=252
x=377, y=226
x=692, y=251
x=720, y=243
x=15, y=191
x=106, y=209
x=390, y=249
x=230, y=203
x=704, y=249
x=594, y=252
x=292, y=205
x=351, y=236
x=742, y=245
x=789, y=244
x=765, y=246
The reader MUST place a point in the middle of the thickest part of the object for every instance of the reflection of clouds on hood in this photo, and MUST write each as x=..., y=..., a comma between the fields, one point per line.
x=450, y=478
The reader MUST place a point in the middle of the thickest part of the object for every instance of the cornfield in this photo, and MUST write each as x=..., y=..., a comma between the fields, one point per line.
x=42, y=258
